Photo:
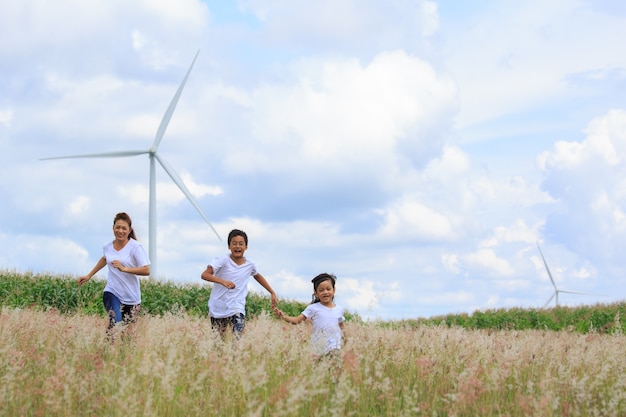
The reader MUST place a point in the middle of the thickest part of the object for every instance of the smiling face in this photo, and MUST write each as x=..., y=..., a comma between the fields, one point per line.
x=237, y=248
x=121, y=230
x=325, y=292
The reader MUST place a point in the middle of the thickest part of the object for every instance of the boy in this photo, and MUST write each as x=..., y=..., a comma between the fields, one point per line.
x=231, y=273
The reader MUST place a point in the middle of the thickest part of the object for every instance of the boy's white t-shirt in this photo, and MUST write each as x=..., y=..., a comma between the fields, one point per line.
x=123, y=285
x=326, y=333
x=222, y=301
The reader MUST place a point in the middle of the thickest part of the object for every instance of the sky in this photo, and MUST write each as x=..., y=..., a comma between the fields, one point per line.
x=418, y=150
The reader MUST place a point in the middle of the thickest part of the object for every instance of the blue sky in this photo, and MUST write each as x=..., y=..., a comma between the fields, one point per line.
x=416, y=149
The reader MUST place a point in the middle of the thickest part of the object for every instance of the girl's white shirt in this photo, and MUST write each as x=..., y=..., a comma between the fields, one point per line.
x=123, y=285
x=326, y=333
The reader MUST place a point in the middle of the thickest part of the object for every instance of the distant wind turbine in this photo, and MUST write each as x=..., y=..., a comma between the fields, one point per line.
x=152, y=153
x=555, y=296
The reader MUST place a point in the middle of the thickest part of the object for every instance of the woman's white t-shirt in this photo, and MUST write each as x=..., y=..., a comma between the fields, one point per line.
x=123, y=285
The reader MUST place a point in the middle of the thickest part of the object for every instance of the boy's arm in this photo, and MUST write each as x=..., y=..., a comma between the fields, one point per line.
x=207, y=275
x=261, y=280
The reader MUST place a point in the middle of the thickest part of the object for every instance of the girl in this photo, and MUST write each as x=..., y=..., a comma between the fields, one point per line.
x=326, y=317
x=126, y=259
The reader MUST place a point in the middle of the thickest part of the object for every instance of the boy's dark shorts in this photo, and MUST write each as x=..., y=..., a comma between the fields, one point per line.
x=237, y=322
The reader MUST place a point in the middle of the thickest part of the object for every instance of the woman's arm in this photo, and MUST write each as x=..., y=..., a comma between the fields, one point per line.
x=140, y=270
x=99, y=265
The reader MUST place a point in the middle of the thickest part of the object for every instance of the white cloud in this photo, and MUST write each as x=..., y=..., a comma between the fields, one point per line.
x=605, y=143
x=79, y=204
x=414, y=220
x=360, y=295
x=451, y=262
x=527, y=52
x=45, y=254
x=487, y=261
x=341, y=114
x=517, y=232
x=587, y=178
x=350, y=25
x=168, y=192
x=6, y=116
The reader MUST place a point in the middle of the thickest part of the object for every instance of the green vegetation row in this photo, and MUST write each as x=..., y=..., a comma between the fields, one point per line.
x=599, y=318
x=62, y=293
x=23, y=290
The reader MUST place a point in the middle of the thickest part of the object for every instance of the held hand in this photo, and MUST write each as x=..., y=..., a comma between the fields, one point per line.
x=82, y=280
x=278, y=313
x=274, y=301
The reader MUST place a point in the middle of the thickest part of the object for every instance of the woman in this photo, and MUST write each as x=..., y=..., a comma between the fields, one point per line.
x=126, y=259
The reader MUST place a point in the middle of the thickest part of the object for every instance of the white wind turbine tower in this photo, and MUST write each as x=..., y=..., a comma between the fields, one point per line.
x=153, y=155
x=555, y=296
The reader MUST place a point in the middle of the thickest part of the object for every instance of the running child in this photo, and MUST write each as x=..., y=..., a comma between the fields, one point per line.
x=230, y=275
x=326, y=317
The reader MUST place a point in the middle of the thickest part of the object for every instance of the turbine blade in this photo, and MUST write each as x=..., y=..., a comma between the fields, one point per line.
x=172, y=106
x=179, y=182
x=119, y=154
x=581, y=293
x=546, y=265
x=549, y=300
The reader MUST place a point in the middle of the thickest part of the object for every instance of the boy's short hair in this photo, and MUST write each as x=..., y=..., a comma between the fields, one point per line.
x=237, y=232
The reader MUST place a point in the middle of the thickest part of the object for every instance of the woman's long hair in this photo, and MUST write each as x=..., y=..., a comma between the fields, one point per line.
x=125, y=217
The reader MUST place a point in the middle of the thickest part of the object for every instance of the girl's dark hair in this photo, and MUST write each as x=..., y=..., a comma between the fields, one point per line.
x=237, y=232
x=318, y=280
x=125, y=217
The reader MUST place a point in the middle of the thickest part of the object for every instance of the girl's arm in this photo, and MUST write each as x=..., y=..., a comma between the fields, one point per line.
x=289, y=319
x=99, y=265
x=343, y=332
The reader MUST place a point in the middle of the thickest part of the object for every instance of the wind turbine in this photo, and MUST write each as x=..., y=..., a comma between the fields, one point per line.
x=555, y=296
x=153, y=155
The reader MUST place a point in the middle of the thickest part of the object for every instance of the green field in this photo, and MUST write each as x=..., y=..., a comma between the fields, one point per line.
x=19, y=290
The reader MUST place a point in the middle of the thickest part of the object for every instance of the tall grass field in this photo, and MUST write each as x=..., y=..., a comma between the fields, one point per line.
x=56, y=360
